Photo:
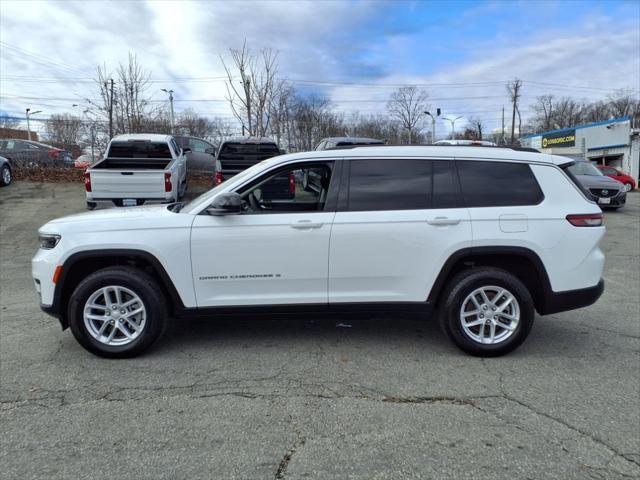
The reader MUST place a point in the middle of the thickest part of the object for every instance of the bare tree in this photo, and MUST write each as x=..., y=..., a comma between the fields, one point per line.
x=476, y=126
x=514, y=91
x=407, y=105
x=190, y=123
x=125, y=104
x=250, y=92
x=311, y=120
x=221, y=130
x=64, y=129
x=8, y=122
x=279, y=111
x=622, y=104
x=544, y=111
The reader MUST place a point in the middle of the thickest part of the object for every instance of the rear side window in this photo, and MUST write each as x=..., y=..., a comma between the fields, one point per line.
x=392, y=184
x=445, y=190
x=498, y=184
x=139, y=150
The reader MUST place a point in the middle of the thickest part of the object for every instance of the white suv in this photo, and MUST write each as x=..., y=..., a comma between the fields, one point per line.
x=484, y=236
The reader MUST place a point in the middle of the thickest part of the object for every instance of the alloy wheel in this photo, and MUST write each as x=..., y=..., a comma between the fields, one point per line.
x=114, y=315
x=490, y=315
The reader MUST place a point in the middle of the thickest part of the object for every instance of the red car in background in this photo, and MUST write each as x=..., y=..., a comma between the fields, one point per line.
x=622, y=177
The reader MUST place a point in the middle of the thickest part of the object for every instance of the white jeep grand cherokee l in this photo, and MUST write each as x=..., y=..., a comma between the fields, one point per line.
x=483, y=236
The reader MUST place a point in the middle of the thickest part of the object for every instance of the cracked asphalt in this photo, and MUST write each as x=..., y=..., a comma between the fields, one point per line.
x=298, y=398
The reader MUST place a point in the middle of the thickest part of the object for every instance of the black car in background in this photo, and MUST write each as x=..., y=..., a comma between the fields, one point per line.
x=238, y=154
x=26, y=153
x=201, y=158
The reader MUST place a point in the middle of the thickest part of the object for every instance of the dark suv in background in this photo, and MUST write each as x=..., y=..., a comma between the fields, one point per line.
x=202, y=157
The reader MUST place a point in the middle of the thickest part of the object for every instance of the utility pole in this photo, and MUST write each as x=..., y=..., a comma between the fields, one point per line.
x=514, y=91
x=28, y=114
x=433, y=124
x=502, y=131
x=111, y=111
x=171, y=119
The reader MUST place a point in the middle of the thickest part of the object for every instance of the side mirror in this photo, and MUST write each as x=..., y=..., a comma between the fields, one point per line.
x=229, y=203
x=210, y=151
x=186, y=150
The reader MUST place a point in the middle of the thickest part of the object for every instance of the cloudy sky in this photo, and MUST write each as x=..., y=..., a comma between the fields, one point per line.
x=355, y=53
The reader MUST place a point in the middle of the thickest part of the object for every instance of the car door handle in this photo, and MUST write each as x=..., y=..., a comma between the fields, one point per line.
x=305, y=224
x=443, y=221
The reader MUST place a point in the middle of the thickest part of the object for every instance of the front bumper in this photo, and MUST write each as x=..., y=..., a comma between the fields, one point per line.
x=616, y=200
x=556, y=302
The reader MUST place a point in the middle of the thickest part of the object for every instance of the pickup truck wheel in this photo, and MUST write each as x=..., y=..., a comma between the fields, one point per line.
x=91, y=205
x=487, y=312
x=117, y=312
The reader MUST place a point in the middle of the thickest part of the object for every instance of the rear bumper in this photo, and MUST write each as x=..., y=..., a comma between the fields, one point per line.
x=556, y=302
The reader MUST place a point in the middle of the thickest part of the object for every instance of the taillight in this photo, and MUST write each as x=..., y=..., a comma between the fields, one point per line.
x=586, y=220
x=292, y=183
x=54, y=153
x=167, y=182
x=218, y=178
x=87, y=181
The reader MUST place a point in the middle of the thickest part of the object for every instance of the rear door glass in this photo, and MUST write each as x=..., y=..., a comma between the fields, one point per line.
x=498, y=184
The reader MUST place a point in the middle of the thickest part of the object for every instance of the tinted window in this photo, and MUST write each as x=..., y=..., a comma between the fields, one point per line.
x=139, y=150
x=389, y=185
x=497, y=184
x=444, y=187
x=250, y=148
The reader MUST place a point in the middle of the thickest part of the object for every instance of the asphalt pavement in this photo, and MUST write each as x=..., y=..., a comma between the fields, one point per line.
x=317, y=397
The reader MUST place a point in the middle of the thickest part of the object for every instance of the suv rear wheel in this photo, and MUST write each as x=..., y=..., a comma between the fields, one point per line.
x=487, y=311
x=117, y=312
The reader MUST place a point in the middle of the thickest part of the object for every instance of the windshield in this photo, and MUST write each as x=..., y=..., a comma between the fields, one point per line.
x=211, y=193
x=585, y=168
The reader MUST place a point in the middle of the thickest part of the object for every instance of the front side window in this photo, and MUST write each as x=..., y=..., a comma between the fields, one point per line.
x=299, y=188
x=498, y=184
x=389, y=184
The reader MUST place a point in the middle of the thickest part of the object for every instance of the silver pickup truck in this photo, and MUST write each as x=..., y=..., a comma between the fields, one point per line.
x=138, y=169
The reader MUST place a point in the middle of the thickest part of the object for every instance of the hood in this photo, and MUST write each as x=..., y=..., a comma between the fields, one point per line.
x=593, y=181
x=119, y=219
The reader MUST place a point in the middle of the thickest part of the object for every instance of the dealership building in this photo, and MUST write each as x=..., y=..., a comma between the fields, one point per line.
x=612, y=142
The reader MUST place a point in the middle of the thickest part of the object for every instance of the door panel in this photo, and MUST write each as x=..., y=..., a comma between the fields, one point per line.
x=267, y=259
x=392, y=256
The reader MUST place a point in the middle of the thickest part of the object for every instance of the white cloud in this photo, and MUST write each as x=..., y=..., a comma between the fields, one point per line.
x=316, y=40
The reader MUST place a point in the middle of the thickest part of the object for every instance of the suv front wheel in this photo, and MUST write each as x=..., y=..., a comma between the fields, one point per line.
x=487, y=311
x=117, y=312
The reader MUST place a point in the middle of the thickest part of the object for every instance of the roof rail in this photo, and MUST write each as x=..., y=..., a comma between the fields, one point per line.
x=511, y=147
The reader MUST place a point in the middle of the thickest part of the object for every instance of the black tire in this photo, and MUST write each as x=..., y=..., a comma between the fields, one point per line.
x=457, y=291
x=5, y=171
x=91, y=205
x=144, y=286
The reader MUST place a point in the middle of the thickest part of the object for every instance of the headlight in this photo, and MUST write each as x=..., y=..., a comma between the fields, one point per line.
x=48, y=240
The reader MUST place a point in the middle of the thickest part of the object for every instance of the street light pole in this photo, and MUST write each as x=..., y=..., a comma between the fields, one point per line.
x=453, y=126
x=28, y=115
x=433, y=124
x=171, y=119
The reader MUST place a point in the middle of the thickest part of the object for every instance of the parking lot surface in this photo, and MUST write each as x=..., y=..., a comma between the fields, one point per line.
x=327, y=398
